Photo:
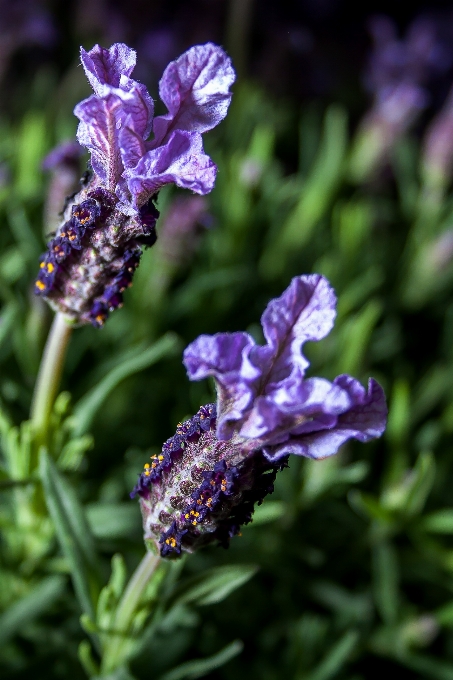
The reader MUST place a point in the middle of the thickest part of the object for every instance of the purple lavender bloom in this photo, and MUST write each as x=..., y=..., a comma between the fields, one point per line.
x=65, y=154
x=225, y=459
x=116, y=121
x=397, y=76
x=92, y=262
x=437, y=156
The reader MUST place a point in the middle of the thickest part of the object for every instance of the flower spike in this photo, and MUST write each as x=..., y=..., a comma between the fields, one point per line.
x=89, y=264
x=219, y=464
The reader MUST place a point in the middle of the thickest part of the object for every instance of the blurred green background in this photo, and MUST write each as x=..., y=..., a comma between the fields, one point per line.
x=347, y=570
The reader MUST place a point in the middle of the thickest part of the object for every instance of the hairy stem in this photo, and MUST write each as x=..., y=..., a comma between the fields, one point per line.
x=49, y=375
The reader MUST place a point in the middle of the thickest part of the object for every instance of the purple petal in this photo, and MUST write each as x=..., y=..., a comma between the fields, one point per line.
x=65, y=154
x=132, y=146
x=225, y=356
x=180, y=161
x=305, y=311
x=195, y=89
x=138, y=106
x=295, y=406
x=98, y=132
x=365, y=420
x=105, y=67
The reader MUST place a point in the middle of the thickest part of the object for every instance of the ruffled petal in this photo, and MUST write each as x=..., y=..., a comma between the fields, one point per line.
x=105, y=67
x=297, y=405
x=138, y=106
x=364, y=420
x=98, y=131
x=180, y=161
x=305, y=311
x=195, y=89
x=225, y=357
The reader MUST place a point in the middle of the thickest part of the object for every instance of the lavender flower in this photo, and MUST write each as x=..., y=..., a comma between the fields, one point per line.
x=209, y=475
x=437, y=156
x=95, y=251
x=397, y=77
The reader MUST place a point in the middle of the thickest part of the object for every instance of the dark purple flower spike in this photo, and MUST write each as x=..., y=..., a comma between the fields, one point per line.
x=91, y=261
x=209, y=476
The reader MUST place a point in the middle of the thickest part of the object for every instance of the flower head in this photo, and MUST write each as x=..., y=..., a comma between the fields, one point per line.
x=90, y=262
x=224, y=460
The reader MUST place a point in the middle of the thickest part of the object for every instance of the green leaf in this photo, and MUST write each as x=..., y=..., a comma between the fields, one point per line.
x=269, y=512
x=7, y=321
x=399, y=413
x=440, y=522
x=336, y=658
x=316, y=196
x=201, y=667
x=428, y=666
x=85, y=655
x=73, y=451
x=113, y=520
x=73, y=534
x=424, y=473
x=408, y=495
x=30, y=151
x=121, y=673
x=38, y=601
x=86, y=409
x=214, y=585
x=385, y=572
x=355, y=337
x=369, y=507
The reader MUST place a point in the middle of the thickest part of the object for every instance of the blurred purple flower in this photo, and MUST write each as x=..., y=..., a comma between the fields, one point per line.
x=157, y=47
x=398, y=73
x=66, y=154
x=186, y=217
x=413, y=60
x=209, y=475
x=437, y=155
x=63, y=164
x=24, y=23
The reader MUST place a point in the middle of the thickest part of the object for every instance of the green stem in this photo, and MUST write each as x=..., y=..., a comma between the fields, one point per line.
x=127, y=607
x=135, y=589
x=49, y=375
x=240, y=14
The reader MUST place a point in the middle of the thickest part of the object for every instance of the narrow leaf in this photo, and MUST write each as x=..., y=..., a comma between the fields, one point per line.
x=439, y=522
x=385, y=571
x=269, y=512
x=29, y=607
x=113, y=520
x=336, y=658
x=200, y=667
x=73, y=534
x=214, y=585
x=88, y=406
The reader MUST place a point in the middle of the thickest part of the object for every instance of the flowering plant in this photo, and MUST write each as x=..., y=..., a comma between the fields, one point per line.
x=209, y=475
x=92, y=258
